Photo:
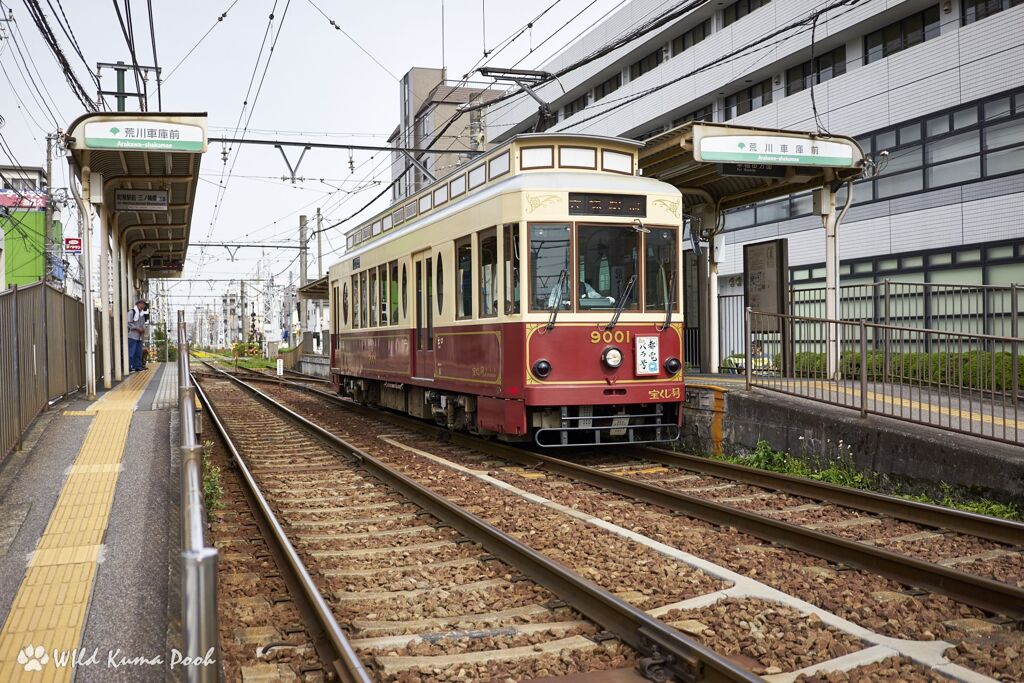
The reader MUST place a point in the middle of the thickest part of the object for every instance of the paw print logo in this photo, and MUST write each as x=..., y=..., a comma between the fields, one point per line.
x=33, y=658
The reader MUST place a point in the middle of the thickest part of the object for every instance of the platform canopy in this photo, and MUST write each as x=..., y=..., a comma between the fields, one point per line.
x=149, y=165
x=314, y=291
x=730, y=166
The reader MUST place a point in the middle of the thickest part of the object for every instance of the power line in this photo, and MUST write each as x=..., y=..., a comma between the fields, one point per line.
x=39, y=18
x=629, y=99
x=156, y=63
x=129, y=39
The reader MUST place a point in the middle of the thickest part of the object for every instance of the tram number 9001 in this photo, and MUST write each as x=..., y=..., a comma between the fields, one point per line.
x=607, y=337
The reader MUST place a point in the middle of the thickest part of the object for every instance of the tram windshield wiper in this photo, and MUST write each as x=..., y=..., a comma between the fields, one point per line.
x=627, y=290
x=556, y=297
x=669, y=301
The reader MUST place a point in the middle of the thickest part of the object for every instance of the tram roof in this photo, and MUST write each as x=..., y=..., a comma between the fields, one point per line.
x=150, y=168
x=732, y=166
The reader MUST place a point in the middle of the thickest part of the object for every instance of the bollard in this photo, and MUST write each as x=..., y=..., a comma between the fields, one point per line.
x=199, y=615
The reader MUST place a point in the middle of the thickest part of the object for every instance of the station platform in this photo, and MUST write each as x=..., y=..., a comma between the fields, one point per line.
x=922, y=448
x=84, y=542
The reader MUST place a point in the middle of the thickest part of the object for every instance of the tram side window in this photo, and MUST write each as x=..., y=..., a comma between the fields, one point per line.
x=362, y=299
x=355, y=300
x=383, y=294
x=608, y=258
x=429, y=284
x=373, y=297
x=660, y=288
x=488, y=272
x=393, y=297
x=464, y=278
x=344, y=304
x=550, y=268
x=510, y=237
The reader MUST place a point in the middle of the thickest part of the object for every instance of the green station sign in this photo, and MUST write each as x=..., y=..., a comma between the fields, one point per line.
x=144, y=135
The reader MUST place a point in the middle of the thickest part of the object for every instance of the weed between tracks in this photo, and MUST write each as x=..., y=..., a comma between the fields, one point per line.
x=840, y=469
x=212, y=489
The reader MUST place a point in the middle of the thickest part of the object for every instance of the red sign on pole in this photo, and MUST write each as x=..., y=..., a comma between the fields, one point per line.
x=73, y=245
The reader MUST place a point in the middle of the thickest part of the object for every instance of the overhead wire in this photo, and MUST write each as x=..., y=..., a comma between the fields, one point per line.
x=338, y=27
x=220, y=18
x=39, y=18
x=156, y=62
x=740, y=51
x=127, y=32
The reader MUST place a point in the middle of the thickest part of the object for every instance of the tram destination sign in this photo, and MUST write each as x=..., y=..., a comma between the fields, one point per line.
x=757, y=148
x=144, y=135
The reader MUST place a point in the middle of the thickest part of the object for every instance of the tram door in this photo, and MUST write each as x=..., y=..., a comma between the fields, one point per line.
x=423, y=276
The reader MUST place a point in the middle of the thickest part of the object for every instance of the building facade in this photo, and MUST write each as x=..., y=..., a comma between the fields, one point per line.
x=23, y=223
x=933, y=92
x=427, y=102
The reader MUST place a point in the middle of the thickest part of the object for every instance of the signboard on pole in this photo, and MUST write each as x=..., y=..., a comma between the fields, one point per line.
x=765, y=282
x=73, y=245
x=140, y=200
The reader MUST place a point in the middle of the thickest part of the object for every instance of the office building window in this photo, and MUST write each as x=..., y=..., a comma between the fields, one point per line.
x=642, y=66
x=691, y=37
x=821, y=69
x=609, y=86
x=976, y=10
x=705, y=113
x=576, y=105
x=748, y=99
x=740, y=9
x=899, y=35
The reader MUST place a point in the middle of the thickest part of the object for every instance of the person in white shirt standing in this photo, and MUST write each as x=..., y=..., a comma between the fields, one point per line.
x=136, y=332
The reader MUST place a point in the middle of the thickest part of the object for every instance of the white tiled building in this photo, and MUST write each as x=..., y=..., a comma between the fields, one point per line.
x=939, y=85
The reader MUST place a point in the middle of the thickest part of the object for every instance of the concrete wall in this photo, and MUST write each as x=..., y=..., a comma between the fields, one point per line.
x=899, y=450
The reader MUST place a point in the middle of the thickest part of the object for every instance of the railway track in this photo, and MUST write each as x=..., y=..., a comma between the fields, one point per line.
x=971, y=557
x=423, y=587
x=862, y=597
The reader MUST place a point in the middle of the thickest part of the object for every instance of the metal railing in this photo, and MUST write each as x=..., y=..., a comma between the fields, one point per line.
x=198, y=561
x=957, y=381
x=958, y=308
x=42, y=355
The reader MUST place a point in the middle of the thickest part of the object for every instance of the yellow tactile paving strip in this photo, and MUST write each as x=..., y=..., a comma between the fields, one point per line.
x=50, y=607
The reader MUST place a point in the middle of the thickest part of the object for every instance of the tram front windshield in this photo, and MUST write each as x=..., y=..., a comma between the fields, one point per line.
x=607, y=269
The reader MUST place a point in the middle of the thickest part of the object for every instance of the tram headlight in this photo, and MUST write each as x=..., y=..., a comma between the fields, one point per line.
x=672, y=366
x=542, y=368
x=612, y=357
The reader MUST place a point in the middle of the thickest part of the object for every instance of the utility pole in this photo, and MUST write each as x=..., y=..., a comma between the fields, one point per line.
x=319, y=262
x=49, y=251
x=241, y=313
x=303, y=250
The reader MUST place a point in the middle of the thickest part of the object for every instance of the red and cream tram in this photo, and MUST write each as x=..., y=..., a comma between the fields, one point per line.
x=531, y=294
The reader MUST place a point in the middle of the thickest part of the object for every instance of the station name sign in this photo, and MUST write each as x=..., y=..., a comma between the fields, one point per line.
x=144, y=135
x=736, y=146
x=140, y=200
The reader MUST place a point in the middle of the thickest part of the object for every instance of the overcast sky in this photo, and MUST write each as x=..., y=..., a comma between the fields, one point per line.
x=319, y=85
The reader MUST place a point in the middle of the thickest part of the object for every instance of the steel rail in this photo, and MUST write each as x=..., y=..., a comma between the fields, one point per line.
x=667, y=652
x=986, y=594
x=345, y=661
x=982, y=526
